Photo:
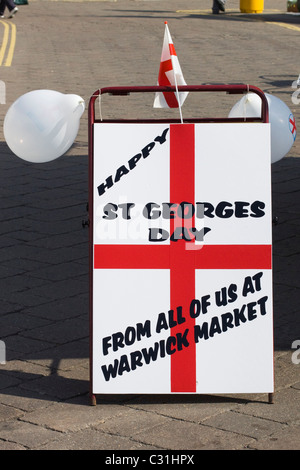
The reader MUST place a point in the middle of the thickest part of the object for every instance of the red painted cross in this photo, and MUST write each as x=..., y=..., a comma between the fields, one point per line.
x=182, y=262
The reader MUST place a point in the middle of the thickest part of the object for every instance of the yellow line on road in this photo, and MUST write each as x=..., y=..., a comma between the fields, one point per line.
x=250, y=17
x=285, y=25
x=10, y=53
x=198, y=12
x=228, y=10
x=4, y=41
x=10, y=39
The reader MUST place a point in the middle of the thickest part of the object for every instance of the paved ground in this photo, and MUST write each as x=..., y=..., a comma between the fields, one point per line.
x=77, y=47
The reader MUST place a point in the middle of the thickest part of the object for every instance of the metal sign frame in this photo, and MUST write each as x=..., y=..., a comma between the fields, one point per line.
x=121, y=91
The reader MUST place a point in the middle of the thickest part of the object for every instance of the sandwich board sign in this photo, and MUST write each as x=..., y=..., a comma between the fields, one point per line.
x=181, y=258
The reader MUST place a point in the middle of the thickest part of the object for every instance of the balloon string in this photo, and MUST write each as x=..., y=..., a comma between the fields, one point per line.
x=245, y=101
x=100, y=110
x=244, y=109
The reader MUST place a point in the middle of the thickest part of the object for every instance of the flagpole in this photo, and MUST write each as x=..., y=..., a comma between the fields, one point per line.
x=177, y=93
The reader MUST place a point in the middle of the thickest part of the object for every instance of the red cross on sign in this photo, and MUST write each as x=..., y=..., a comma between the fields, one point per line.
x=181, y=256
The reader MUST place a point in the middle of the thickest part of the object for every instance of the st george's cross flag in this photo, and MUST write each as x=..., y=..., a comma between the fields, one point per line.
x=170, y=74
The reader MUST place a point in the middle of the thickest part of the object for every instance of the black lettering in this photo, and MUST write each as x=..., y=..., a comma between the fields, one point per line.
x=180, y=317
x=205, y=303
x=167, y=211
x=162, y=323
x=232, y=295
x=256, y=208
x=214, y=327
x=241, y=210
x=121, y=172
x=257, y=278
x=185, y=210
x=182, y=340
x=146, y=150
x=225, y=296
x=102, y=187
x=126, y=208
x=136, y=359
x=150, y=354
x=172, y=322
x=170, y=341
x=123, y=365
x=110, y=371
x=162, y=348
x=175, y=321
x=221, y=210
x=221, y=297
x=129, y=336
x=199, y=210
x=109, y=211
x=196, y=306
x=133, y=161
x=199, y=234
x=181, y=233
x=106, y=344
x=207, y=209
x=248, y=286
x=149, y=213
x=118, y=341
x=262, y=303
x=161, y=139
x=158, y=235
x=239, y=315
x=201, y=331
x=143, y=330
x=251, y=311
x=227, y=321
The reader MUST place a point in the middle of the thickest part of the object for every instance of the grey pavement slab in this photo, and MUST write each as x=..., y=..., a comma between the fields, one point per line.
x=78, y=47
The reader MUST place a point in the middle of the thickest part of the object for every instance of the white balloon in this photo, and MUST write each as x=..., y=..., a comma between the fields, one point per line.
x=283, y=126
x=41, y=125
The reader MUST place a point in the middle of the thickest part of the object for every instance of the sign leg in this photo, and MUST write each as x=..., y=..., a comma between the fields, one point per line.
x=93, y=400
x=271, y=398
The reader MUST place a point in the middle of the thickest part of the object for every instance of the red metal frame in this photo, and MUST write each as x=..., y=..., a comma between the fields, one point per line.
x=230, y=89
x=126, y=90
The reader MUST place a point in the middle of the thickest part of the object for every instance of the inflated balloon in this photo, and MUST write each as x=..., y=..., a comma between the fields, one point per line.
x=41, y=125
x=283, y=125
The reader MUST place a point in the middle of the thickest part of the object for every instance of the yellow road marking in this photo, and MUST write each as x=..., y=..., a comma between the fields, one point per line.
x=9, y=27
x=250, y=17
x=12, y=45
x=198, y=12
x=284, y=25
x=4, y=41
x=209, y=11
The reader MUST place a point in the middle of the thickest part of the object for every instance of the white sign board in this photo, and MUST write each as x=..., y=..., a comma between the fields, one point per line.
x=182, y=275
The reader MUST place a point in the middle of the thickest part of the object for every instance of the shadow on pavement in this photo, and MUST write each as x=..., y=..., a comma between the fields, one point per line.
x=44, y=273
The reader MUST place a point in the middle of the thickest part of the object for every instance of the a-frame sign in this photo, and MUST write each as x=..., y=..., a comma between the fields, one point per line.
x=181, y=254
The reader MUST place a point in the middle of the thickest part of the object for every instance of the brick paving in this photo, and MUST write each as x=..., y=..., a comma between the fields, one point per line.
x=78, y=47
